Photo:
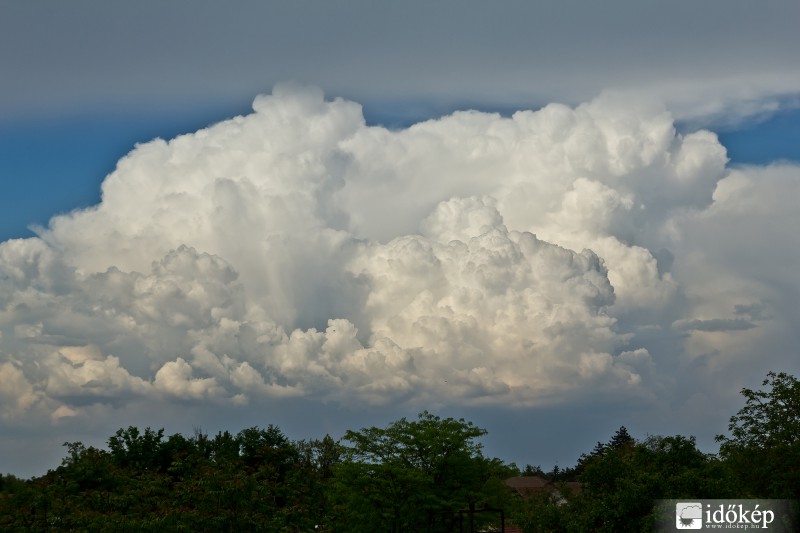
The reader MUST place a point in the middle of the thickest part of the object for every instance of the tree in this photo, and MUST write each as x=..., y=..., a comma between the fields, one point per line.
x=769, y=418
x=620, y=439
x=538, y=512
x=411, y=475
x=319, y=459
x=132, y=449
x=261, y=447
x=533, y=470
x=764, y=446
x=619, y=486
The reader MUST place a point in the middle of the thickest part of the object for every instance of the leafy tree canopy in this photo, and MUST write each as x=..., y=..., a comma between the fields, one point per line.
x=415, y=475
x=769, y=417
x=764, y=446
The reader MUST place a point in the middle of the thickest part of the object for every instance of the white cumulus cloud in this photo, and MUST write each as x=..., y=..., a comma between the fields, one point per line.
x=470, y=259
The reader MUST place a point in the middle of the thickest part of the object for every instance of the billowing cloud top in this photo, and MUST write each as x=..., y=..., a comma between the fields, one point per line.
x=471, y=259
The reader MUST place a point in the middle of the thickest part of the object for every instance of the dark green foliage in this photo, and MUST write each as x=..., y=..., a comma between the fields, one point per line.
x=539, y=513
x=411, y=476
x=414, y=475
x=621, y=485
x=764, y=447
x=131, y=449
x=621, y=439
x=620, y=481
x=254, y=481
x=530, y=470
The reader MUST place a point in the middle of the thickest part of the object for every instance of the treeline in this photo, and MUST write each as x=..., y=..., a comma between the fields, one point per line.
x=420, y=475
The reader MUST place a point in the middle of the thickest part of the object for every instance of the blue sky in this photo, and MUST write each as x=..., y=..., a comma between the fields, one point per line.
x=57, y=165
x=577, y=255
x=773, y=139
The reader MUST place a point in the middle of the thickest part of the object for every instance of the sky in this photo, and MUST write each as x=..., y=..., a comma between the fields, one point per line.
x=549, y=218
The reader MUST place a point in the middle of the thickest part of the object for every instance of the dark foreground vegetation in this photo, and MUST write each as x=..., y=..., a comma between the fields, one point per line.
x=412, y=476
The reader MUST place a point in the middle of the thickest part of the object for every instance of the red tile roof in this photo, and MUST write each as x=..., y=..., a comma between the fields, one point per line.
x=525, y=485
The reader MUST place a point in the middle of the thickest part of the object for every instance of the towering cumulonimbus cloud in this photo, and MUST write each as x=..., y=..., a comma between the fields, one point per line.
x=298, y=252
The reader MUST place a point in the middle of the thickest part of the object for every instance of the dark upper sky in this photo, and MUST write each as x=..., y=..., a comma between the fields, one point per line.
x=59, y=56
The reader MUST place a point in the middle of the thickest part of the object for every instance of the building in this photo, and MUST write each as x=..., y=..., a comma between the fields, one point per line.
x=527, y=486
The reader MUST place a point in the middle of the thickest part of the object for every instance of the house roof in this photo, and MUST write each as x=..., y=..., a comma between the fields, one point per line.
x=525, y=485
x=527, y=482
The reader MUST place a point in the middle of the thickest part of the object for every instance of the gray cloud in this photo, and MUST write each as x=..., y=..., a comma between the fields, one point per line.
x=705, y=59
x=714, y=324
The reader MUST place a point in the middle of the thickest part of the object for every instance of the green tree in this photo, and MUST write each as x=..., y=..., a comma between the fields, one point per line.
x=411, y=475
x=764, y=446
x=539, y=512
x=319, y=459
x=620, y=439
x=132, y=449
x=620, y=485
x=531, y=470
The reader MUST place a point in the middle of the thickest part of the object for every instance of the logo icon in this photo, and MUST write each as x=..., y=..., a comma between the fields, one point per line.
x=689, y=515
